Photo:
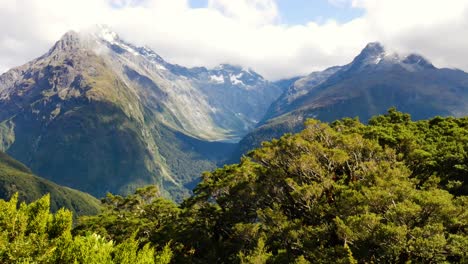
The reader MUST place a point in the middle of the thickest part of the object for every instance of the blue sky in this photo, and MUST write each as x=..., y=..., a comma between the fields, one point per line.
x=294, y=12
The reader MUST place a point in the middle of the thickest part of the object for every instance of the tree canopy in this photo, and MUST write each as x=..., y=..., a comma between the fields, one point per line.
x=392, y=191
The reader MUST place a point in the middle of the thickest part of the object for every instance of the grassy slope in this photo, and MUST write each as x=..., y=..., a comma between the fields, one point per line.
x=16, y=177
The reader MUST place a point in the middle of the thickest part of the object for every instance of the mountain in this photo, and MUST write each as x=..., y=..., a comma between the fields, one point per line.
x=285, y=83
x=372, y=83
x=15, y=177
x=99, y=114
x=239, y=96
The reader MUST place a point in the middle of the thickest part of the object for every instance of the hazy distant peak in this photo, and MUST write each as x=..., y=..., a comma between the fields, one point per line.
x=415, y=59
x=228, y=67
x=235, y=75
x=373, y=48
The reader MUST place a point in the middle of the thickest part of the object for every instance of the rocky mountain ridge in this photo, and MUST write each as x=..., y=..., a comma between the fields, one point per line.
x=99, y=114
x=369, y=85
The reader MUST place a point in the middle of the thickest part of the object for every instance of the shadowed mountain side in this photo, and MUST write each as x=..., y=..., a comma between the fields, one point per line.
x=17, y=178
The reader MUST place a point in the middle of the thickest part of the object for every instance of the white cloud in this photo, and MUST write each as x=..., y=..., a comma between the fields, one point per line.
x=435, y=29
x=256, y=12
x=245, y=32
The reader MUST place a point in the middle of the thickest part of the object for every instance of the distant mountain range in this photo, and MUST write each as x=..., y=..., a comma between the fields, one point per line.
x=373, y=82
x=99, y=114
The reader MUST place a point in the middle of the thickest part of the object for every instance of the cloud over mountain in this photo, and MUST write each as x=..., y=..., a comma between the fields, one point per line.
x=251, y=33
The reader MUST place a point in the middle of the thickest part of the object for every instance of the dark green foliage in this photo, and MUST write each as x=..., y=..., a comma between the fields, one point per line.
x=17, y=178
x=435, y=149
x=345, y=193
x=187, y=158
x=273, y=129
x=144, y=214
x=328, y=197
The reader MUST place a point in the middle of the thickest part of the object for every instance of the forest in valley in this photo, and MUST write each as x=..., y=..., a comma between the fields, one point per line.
x=389, y=191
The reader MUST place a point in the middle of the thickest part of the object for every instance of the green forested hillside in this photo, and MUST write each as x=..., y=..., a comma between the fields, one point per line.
x=388, y=192
x=17, y=178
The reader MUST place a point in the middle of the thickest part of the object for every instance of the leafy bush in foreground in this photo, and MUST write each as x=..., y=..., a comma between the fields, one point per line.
x=29, y=233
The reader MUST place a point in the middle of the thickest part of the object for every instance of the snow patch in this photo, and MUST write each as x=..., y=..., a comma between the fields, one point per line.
x=109, y=36
x=217, y=78
x=235, y=79
x=103, y=32
x=133, y=51
x=160, y=67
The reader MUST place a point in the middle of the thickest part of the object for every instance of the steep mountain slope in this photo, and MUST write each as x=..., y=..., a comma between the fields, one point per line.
x=99, y=114
x=239, y=97
x=16, y=177
x=220, y=104
x=373, y=82
x=286, y=83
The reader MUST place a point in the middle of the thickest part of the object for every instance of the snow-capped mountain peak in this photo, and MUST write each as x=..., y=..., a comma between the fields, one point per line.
x=375, y=54
x=235, y=75
x=103, y=35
